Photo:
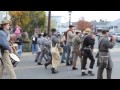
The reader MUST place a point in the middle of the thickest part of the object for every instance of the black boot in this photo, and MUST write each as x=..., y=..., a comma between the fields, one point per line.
x=40, y=64
x=74, y=68
x=54, y=71
x=90, y=73
x=62, y=62
x=45, y=65
x=71, y=62
x=84, y=74
x=68, y=64
x=35, y=60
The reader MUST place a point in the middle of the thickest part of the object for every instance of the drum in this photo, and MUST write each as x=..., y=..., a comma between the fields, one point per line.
x=14, y=59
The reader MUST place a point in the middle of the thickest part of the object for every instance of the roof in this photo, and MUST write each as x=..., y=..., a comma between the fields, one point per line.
x=116, y=22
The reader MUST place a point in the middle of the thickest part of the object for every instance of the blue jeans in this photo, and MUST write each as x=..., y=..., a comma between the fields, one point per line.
x=64, y=51
x=34, y=48
x=19, y=50
x=68, y=45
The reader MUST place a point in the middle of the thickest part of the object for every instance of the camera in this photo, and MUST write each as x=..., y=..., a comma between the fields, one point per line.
x=110, y=38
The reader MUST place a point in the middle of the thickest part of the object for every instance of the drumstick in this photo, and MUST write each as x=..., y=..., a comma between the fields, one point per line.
x=14, y=49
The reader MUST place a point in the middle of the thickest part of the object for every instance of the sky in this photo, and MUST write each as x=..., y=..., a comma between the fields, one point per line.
x=88, y=15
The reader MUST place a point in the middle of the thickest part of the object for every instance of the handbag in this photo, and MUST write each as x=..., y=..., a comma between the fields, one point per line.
x=104, y=61
x=54, y=49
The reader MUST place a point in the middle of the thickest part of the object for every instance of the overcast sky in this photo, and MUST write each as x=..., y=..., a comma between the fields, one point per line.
x=89, y=15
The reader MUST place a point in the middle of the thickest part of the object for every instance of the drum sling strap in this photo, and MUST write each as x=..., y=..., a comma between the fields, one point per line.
x=1, y=61
x=1, y=57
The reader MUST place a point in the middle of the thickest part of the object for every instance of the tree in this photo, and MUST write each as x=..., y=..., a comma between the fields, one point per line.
x=29, y=20
x=20, y=18
x=82, y=25
x=38, y=20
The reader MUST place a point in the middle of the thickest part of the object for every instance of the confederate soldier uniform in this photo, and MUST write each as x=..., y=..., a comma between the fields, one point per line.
x=76, y=48
x=49, y=60
x=104, y=58
x=39, y=40
x=44, y=49
x=87, y=47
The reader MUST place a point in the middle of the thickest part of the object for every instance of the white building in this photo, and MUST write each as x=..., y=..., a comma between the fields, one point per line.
x=61, y=23
x=3, y=15
x=114, y=27
x=99, y=26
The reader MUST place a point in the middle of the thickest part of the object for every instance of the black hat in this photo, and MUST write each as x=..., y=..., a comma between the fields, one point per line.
x=45, y=34
x=53, y=30
x=71, y=26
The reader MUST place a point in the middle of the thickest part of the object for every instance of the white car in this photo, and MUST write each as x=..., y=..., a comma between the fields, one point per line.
x=117, y=36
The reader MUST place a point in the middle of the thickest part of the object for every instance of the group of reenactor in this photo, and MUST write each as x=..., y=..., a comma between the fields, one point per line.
x=81, y=44
x=73, y=44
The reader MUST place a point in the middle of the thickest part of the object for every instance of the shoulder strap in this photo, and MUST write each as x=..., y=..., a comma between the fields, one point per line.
x=100, y=43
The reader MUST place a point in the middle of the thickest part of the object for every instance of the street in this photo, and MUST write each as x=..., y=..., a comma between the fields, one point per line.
x=28, y=69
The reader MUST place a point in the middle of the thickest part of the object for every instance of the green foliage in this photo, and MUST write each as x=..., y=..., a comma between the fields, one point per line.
x=29, y=20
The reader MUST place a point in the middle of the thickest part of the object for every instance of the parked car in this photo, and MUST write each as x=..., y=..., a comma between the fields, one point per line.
x=117, y=36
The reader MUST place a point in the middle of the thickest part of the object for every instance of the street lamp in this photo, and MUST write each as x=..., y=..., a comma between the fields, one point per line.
x=69, y=17
x=49, y=21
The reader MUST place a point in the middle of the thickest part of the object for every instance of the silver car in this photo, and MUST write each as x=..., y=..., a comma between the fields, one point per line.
x=117, y=36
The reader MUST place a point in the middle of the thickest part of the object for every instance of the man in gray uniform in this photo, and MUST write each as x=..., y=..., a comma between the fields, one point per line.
x=104, y=58
x=44, y=49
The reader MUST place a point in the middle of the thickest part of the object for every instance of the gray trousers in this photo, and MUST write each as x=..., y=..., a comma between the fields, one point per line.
x=44, y=51
x=101, y=68
x=100, y=73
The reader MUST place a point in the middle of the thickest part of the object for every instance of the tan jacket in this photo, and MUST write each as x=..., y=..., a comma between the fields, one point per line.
x=76, y=42
x=70, y=36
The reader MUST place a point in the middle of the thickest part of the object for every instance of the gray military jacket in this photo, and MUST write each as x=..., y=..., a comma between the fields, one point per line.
x=54, y=39
x=105, y=45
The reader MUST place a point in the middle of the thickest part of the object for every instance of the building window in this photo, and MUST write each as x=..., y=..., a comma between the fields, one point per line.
x=115, y=27
x=111, y=27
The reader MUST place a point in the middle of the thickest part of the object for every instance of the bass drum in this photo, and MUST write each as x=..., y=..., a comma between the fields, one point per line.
x=14, y=59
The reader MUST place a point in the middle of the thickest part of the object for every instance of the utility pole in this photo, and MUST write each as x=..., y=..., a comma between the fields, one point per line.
x=49, y=22
x=70, y=12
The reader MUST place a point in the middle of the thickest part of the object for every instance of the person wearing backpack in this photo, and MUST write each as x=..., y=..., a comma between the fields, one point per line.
x=6, y=49
x=70, y=34
x=104, y=58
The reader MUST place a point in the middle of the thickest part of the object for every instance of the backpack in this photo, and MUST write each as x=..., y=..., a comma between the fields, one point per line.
x=66, y=33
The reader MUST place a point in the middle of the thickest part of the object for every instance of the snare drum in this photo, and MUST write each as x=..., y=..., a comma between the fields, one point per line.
x=14, y=59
